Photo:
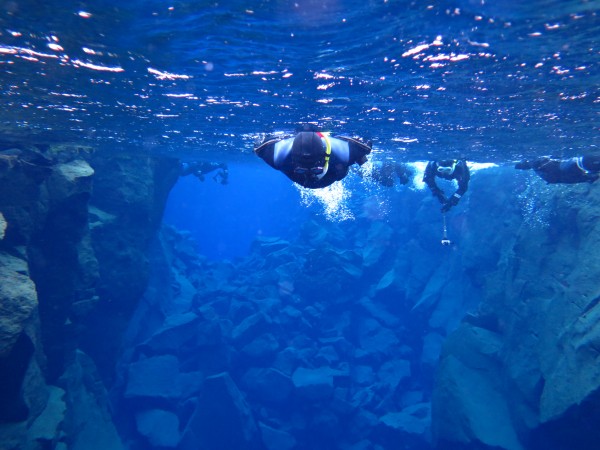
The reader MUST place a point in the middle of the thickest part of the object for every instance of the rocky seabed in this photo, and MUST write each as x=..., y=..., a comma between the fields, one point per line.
x=115, y=333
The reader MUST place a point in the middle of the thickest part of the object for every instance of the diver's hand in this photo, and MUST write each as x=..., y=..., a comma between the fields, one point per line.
x=441, y=197
x=452, y=201
x=263, y=140
x=523, y=165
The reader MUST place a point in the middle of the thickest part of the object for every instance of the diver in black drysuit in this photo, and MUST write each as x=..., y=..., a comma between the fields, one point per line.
x=383, y=173
x=579, y=169
x=450, y=169
x=312, y=158
x=201, y=168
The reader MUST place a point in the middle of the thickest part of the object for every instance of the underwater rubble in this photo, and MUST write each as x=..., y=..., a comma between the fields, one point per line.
x=292, y=369
x=115, y=333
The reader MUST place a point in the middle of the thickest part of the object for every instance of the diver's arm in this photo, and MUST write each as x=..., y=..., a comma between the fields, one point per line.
x=275, y=151
x=404, y=172
x=266, y=150
x=357, y=149
x=462, y=176
x=429, y=180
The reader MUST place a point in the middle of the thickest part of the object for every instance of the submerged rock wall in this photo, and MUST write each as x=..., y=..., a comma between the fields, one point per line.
x=130, y=193
x=523, y=372
x=53, y=270
x=330, y=341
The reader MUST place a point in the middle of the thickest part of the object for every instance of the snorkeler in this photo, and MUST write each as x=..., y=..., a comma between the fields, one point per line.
x=450, y=169
x=580, y=169
x=312, y=158
x=201, y=168
x=383, y=173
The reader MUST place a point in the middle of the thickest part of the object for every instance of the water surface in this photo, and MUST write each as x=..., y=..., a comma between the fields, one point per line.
x=493, y=81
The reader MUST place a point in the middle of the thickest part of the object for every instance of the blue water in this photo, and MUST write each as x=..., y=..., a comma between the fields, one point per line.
x=225, y=219
x=493, y=81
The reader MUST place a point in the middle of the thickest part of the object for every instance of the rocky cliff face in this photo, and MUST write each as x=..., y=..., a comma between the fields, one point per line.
x=54, y=269
x=523, y=372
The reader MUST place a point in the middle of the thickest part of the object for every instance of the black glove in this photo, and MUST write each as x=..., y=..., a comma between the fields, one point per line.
x=523, y=165
x=263, y=141
x=452, y=201
x=441, y=197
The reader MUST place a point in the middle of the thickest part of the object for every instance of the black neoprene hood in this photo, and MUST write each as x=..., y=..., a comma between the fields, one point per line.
x=308, y=149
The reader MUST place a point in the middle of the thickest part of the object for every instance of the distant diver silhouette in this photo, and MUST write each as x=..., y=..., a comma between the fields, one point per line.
x=200, y=168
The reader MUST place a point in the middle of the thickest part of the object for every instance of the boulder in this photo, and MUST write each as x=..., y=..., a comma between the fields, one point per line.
x=469, y=406
x=275, y=439
x=313, y=384
x=153, y=378
x=267, y=385
x=329, y=271
x=386, y=280
x=178, y=330
x=435, y=287
x=287, y=360
x=160, y=427
x=379, y=312
x=222, y=419
x=46, y=428
x=70, y=179
x=391, y=373
x=88, y=424
x=267, y=245
x=262, y=348
x=409, y=427
x=250, y=328
x=327, y=356
x=376, y=342
x=18, y=299
x=411, y=398
x=455, y=299
x=159, y=378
